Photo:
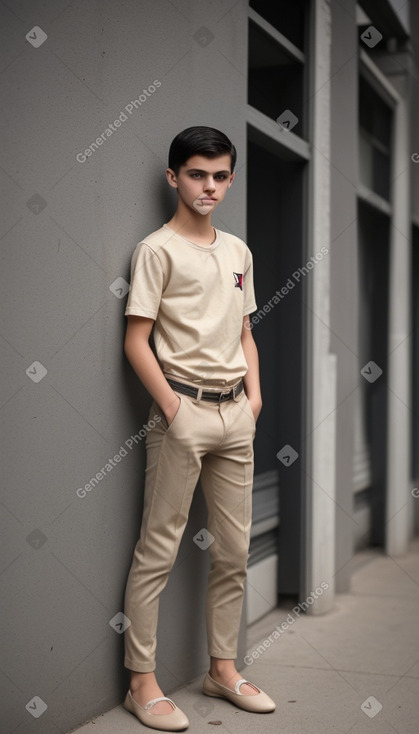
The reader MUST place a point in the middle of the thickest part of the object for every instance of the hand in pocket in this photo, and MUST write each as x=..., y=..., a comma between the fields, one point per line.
x=172, y=410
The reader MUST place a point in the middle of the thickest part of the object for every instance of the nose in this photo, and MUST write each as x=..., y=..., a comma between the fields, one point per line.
x=209, y=184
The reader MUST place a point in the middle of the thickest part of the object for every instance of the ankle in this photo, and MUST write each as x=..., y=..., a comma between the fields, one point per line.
x=223, y=668
x=139, y=680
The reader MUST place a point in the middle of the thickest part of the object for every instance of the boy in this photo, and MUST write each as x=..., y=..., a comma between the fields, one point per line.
x=194, y=283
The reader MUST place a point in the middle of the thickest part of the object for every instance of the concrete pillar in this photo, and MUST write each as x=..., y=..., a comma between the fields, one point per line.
x=321, y=364
x=344, y=272
x=398, y=496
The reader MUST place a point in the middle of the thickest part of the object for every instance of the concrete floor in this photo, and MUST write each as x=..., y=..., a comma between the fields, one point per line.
x=353, y=670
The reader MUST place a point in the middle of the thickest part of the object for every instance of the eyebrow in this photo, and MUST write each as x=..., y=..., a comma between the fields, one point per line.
x=199, y=170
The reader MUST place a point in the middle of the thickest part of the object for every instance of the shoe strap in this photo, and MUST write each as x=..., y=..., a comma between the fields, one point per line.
x=156, y=700
x=238, y=684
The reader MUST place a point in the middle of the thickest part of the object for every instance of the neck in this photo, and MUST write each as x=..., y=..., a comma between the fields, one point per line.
x=190, y=223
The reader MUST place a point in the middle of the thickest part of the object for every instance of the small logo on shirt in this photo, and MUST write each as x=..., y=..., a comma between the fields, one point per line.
x=238, y=278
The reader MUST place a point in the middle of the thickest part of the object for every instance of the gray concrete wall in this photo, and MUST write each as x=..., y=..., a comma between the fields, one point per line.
x=70, y=401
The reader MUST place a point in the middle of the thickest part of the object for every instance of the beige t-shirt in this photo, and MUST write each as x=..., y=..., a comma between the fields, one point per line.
x=198, y=296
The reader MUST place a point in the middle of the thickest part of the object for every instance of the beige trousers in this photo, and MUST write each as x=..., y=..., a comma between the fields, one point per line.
x=213, y=441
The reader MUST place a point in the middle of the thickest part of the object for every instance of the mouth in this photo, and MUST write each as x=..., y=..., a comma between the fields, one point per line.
x=207, y=199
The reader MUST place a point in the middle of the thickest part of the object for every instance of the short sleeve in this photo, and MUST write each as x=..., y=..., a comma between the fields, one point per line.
x=146, y=283
x=249, y=302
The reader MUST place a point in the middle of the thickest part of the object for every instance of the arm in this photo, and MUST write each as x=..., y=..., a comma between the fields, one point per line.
x=145, y=365
x=251, y=378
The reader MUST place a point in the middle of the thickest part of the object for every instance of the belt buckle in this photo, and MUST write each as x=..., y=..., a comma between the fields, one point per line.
x=222, y=393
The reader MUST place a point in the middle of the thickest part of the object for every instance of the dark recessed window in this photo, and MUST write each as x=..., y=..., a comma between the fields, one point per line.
x=275, y=78
x=375, y=125
x=287, y=18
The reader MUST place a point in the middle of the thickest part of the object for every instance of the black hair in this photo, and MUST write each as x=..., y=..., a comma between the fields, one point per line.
x=200, y=140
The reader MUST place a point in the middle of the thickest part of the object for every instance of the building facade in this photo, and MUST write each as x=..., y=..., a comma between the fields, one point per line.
x=321, y=100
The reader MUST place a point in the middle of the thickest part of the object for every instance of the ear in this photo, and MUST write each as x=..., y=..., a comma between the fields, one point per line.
x=231, y=179
x=171, y=177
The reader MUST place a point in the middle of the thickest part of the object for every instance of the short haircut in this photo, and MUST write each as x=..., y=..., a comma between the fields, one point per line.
x=200, y=140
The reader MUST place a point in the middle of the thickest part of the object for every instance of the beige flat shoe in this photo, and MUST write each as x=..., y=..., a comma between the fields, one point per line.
x=259, y=704
x=175, y=721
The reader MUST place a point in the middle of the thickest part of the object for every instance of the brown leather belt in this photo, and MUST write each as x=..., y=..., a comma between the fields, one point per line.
x=216, y=396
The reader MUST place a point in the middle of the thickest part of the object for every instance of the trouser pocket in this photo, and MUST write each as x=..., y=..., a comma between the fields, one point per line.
x=169, y=427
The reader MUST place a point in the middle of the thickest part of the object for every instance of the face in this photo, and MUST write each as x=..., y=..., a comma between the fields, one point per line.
x=202, y=182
